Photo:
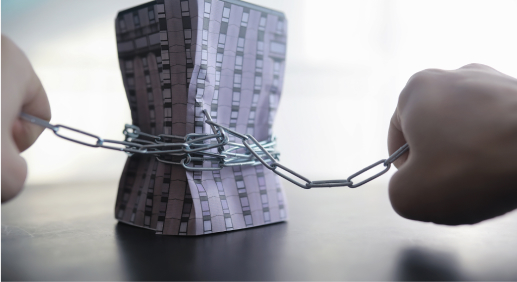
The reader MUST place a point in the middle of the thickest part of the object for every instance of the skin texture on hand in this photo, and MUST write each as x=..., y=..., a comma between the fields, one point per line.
x=21, y=91
x=461, y=127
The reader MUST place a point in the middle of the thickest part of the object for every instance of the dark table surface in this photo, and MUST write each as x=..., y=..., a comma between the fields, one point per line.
x=68, y=232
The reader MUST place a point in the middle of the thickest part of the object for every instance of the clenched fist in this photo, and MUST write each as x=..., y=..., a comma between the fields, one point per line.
x=461, y=127
x=21, y=91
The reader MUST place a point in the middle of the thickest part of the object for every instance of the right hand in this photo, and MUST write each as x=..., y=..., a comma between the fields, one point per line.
x=461, y=127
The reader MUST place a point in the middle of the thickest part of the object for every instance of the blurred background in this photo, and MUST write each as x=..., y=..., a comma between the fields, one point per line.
x=347, y=62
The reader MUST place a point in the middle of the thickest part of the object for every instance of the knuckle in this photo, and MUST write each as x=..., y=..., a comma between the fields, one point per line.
x=416, y=81
x=424, y=76
x=427, y=80
x=475, y=66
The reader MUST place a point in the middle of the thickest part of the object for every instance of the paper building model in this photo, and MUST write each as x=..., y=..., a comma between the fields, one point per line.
x=177, y=58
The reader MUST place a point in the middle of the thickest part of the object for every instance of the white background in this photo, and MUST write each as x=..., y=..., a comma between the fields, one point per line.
x=347, y=62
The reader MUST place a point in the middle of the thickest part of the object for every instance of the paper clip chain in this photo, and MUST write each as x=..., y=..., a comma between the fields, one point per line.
x=215, y=147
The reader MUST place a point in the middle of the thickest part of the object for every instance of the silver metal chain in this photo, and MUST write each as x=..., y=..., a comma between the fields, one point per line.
x=214, y=147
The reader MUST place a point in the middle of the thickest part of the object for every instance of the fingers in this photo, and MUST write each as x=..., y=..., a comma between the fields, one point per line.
x=23, y=92
x=35, y=104
x=396, y=134
x=396, y=139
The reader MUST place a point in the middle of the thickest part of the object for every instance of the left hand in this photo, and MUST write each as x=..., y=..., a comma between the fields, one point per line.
x=21, y=91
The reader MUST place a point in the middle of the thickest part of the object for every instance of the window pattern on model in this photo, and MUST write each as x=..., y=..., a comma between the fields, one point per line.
x=237, y=75
x=151, y=38
x=223, y=30
x=137, y=40
x=180, y=83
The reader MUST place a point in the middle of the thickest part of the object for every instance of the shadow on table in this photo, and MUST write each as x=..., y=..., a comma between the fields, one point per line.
x=237, y=255
x=418, y=264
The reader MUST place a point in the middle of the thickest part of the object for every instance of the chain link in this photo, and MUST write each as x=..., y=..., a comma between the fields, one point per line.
x=214, y=147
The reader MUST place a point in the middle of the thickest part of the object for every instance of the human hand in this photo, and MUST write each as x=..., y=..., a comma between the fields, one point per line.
x=461, y=127
x=21, y=91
